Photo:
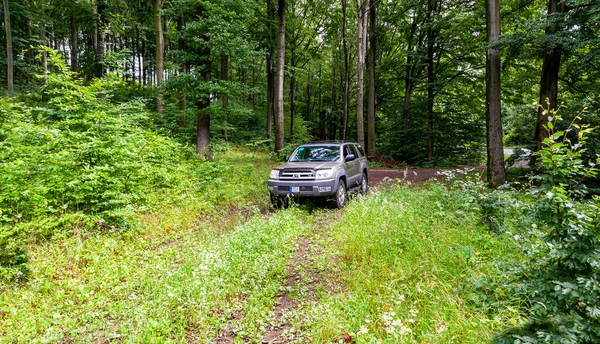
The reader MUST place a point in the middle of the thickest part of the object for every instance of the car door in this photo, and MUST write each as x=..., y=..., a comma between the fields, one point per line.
x=352, y=167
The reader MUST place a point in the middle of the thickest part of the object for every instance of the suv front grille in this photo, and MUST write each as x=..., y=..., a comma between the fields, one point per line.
x=297, y=174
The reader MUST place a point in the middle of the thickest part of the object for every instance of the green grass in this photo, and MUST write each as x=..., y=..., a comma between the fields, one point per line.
x=130, y=289
x=401, y=265
x=404, y=266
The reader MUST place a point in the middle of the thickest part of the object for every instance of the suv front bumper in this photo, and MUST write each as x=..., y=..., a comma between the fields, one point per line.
x=308, y=188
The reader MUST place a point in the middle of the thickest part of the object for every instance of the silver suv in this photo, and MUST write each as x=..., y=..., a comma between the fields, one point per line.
x=323, y=169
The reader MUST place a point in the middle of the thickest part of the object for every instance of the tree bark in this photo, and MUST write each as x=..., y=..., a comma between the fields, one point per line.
x=203, y=105
x=361, y=8
x=495, y=151
x=224, y=97
x=372, y=104
x=431, y=36
x=159, y=54
x=549, y=78
x=74, y=43
x=309, y=97
x=270, y=69
x=346, y=96
x=44, y=54
x=99, y=36
x=9, y=50
x=279, y=114
x=182, y=45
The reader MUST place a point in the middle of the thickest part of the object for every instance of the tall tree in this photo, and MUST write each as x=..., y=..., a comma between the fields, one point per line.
x=160, y=54
x=495, y=152
x=271, y=33
x=362, y=12
x=203, y=100
x=346, y=95
x=9, y=52
x=224, y=97
x=74, y=38
x=372, y=103
x=550, y=69
x=279, y=110
x=431, y=38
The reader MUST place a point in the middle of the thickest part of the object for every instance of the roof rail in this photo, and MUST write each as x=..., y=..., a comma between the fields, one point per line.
x=329, y=141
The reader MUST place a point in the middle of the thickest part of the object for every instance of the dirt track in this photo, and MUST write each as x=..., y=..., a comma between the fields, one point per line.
x=414, y=175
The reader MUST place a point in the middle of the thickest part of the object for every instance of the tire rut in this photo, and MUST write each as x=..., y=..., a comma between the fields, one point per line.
x=301, y=282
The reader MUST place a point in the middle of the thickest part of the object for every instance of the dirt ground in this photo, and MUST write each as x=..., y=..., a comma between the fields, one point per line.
x=413, y=175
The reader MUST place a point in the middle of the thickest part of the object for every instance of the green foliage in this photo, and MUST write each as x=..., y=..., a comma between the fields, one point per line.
x=558, y=229
x=81, y=160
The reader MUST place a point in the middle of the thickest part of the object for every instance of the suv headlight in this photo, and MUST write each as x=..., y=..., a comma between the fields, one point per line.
x=274, y=174
x=324, y=174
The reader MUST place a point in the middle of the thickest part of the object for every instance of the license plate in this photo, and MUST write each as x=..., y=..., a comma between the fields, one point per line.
x=294, y=189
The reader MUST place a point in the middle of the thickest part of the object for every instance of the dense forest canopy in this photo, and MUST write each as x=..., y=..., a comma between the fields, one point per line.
x=211, y=68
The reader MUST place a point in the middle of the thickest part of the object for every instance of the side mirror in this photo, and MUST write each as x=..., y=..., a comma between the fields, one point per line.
x=350, y=157
x=286, y=158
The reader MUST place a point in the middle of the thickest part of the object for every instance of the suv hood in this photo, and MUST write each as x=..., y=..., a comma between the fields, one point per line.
x=317, y=165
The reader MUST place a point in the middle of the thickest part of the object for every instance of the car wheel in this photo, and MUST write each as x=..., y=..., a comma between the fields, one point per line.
x=340, y=195
x=364, y=184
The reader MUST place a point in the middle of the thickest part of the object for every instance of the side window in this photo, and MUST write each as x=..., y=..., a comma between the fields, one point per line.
x=355, y=151
x=347, y=151
x=360, y=150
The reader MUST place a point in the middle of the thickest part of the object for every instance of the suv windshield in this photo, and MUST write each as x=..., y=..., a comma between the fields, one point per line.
x=316, y=153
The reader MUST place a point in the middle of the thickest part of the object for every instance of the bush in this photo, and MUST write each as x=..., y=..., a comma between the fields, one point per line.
x=75, y=159
x=559, y=230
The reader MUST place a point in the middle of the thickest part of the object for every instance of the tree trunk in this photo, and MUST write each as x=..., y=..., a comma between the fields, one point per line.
x=431, y=36
x=292, y=103
x=159, y=54
x=9, y=52
x=361, y=8
x=203, y=122
x=549, y=78
x=224, y=98
x=279, y=114
x=495, y=151
x=309, y=98
x=182, y=45
x=270, y=69
x=372, y=91
x=44, y=54
x=99, y=35
x=346, y=100
x=74, y=43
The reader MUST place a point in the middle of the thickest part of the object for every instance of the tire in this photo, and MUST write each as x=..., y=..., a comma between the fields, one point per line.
x=340, y=195
x=364, y=184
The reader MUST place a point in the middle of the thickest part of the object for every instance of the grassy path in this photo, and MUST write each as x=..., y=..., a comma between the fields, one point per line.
x=402, y=265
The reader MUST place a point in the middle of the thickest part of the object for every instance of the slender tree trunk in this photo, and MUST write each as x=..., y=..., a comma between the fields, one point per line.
x=270, y=93
x=309, y=98
x=292, y=103
x=431, y=36
x=224, y=97
x=183, y=47
x=44, y=54
x=74, y=43
x=495, y=151
x=100, y=37
x=271, y=13
x=160, y=54
x=9, y=52
x=279, y=115
x=549, y=78
x=361, y=7
x=346, y=100
x=372, y=91
x=203, y=122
